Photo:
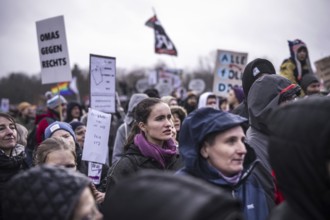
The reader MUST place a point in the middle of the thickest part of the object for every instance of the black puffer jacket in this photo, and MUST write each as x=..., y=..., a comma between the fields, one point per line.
x=43, y=192
x=133, y=161
x=10, y=166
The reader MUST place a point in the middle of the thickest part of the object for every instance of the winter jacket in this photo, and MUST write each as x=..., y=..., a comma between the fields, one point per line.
x=250, y=189
x=42, y=123
x=264, y=97
x=131, y=162
x=10, y=166
x=299, y=154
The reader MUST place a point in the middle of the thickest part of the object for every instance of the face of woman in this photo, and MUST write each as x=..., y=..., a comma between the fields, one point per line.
x=231, y=97
x=157, y=129
x=86, y=207
x=8, y=135
x=80, y=135
x=61, y=158
x=65, y=135
x=227, y=152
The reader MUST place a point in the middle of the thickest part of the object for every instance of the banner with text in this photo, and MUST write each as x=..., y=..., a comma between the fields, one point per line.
x=97, y=136
x=103, y=83
x=53, y=50
x=228, y=71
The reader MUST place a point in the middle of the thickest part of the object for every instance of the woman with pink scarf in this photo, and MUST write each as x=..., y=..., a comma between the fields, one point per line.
x=150, y=144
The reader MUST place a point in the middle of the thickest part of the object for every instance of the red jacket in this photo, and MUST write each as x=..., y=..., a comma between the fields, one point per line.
x=43, y=123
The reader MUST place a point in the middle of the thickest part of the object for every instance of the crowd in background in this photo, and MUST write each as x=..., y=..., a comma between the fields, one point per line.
x=262, y=152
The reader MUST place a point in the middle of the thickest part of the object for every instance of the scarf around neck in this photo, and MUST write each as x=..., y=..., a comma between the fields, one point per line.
x=159, y=153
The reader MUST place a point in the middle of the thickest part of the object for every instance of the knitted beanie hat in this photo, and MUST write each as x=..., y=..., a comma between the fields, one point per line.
x=308, y=79
x=76, y=124
x=43, y=192
x=58, y=125
x=55, y=101
x=253, y=70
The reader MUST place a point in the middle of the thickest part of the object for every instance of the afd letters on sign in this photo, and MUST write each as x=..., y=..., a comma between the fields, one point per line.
x=228, y=71
x=53, y=52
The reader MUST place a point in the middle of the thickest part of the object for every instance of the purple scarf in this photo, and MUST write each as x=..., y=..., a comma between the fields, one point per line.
x=159, y=153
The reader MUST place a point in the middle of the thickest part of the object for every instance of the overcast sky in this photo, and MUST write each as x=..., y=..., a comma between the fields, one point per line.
x=197, y=28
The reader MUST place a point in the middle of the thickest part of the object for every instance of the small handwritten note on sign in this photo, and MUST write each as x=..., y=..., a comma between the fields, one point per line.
x=53, y=50
x=97, y=136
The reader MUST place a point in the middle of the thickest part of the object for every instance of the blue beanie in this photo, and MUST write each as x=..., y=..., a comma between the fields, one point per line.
x=58, y=125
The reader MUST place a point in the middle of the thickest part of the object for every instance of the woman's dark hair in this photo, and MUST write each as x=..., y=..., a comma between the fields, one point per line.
x=141, y=114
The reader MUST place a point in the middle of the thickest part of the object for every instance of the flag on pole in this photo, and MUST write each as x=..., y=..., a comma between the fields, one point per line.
x=73, y=85
x=163, y=44
x=62, y=88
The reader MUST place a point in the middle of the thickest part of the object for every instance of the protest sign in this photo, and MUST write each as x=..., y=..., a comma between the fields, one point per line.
x=103, y=83
x=4, y=105
x=97, y=136
x=94, y=172
x=228, y=71
x=53, y=50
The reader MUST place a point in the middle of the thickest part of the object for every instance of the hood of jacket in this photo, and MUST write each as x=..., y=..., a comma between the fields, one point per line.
x=264, y=97
x=135, y=99
x=195, y=127
x=203, y=99
x=299, y=152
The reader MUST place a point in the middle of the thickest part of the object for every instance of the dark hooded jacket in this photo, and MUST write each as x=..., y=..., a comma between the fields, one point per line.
x=250, y=189
x=265, y=96
x=252, y=72
x=157, y=195
x=299, y=154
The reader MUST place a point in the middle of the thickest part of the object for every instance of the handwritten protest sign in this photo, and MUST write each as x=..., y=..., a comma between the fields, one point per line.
x=228, y=71
x=53, y=50
x=103, y=83
x=94, y=172
x=97, y=136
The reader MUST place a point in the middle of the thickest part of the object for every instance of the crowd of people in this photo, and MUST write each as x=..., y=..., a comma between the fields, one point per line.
x=262, y=152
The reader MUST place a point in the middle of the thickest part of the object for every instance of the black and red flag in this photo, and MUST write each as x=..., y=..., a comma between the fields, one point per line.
x=163, y=43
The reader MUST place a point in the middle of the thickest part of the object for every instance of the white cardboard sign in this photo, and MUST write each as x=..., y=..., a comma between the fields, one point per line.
x=103, y=83
x=97, y=136
x=228, y=71
x=53, y=50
